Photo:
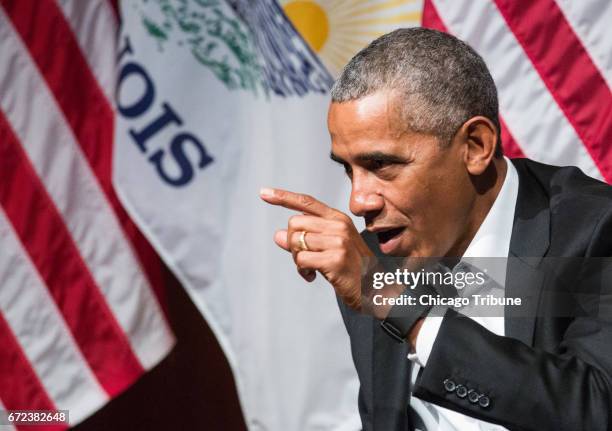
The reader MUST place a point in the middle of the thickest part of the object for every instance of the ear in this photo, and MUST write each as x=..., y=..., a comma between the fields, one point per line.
x=480, y=138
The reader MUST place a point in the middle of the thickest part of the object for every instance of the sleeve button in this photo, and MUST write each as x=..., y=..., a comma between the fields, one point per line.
x=449, y=385
x=461, y=391
x=484, y=401
x=473, y=396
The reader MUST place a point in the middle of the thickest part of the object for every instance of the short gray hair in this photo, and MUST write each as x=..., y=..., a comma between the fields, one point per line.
x=442, y=81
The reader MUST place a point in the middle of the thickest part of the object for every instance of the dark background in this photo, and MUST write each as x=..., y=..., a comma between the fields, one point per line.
x=192, y=388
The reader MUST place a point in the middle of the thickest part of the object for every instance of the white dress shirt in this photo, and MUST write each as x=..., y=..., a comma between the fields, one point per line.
x=491, y=240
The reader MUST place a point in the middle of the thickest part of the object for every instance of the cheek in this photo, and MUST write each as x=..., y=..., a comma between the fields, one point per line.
x=432, y=207
x=448, y=212
x=401, y=199
x=409, y=207
x=412, y=192
x=431, y=199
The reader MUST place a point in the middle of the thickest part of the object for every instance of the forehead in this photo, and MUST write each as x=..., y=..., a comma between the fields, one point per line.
x=379, y=110
x=372, y=123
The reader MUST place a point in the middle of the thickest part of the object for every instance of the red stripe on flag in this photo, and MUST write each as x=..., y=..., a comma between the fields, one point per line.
x=20, y=387
x=431, y=19
x=511, y=148
x=567, y=71
x=44, y=235
x=43, y=28
x=114, y=4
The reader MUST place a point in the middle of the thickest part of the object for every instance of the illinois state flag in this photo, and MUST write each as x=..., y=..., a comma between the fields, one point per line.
x=216, y=99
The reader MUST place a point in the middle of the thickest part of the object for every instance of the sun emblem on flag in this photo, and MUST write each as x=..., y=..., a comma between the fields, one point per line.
x=337, y=29
x=284, y=48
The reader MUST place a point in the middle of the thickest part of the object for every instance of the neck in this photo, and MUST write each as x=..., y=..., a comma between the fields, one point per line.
x=487, y=187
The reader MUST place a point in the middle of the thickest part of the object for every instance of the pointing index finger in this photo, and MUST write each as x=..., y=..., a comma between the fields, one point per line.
x=296, y=201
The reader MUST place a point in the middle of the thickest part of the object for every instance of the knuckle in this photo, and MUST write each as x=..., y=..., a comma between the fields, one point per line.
x=345, y=228
x=341, y=242
x=345, y=219
x=344, y=243
x=339, y=225
x=293, y=221
x=338, y=258
x=306, y=200
x=338, y=242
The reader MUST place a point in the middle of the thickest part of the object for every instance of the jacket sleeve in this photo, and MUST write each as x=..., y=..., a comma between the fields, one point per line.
x=358, y=325
x=519, y=387
x=504, y=381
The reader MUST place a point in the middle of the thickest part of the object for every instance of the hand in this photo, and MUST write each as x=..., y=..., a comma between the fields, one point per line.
x=335, y=248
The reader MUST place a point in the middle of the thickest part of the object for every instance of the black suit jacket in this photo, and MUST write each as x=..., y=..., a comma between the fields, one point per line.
x=548, y=372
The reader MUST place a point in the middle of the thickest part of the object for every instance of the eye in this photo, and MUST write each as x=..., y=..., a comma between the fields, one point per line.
x=376, y=165
x=348, y=170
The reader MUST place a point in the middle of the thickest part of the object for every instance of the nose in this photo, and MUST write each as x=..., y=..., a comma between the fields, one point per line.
x=364, y=197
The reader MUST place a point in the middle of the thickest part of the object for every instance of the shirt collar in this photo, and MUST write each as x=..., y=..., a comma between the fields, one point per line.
x=493, y=236
x=492, y=240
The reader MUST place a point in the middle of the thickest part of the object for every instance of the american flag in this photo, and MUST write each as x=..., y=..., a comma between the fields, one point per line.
x=552, y=63
x=80, y=314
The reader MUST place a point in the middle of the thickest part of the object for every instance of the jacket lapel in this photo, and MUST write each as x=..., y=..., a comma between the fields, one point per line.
x=391, y=382
x=529, y=243
x=390, y=369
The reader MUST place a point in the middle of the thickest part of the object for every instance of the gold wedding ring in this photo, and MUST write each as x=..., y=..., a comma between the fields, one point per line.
x=303, y=245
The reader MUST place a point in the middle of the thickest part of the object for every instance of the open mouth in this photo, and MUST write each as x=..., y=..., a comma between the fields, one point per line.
x=388, y=235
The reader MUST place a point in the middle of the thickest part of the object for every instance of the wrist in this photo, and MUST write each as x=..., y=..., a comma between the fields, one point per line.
x=414, y=333
x=401, y=321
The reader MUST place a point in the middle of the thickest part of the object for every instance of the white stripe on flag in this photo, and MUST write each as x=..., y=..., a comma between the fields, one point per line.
x=591, y=22
x=41, y=331
x=37, y=120
x=6, y=427
x=529, y=110
x=94, y=25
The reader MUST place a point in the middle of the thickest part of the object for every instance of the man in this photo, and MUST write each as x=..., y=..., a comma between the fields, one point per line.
x=414, y=122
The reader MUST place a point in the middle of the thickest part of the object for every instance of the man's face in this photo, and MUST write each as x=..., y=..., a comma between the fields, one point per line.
x=416, y=196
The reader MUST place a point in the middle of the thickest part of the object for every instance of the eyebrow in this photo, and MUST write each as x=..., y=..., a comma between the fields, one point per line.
x=336, y=159
x=372, y=156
